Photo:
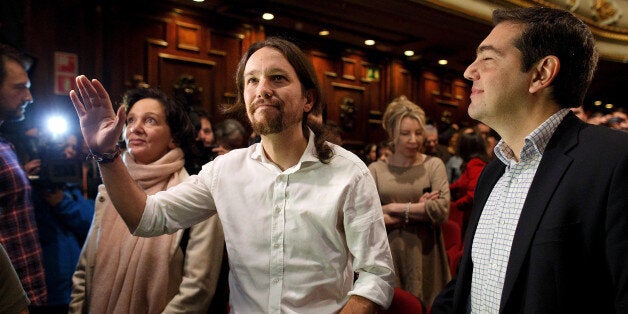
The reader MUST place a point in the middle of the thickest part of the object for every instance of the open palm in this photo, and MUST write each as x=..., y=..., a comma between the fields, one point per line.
x=101, y=127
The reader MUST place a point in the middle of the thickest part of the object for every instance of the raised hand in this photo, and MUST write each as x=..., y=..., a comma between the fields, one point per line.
x=101, y=127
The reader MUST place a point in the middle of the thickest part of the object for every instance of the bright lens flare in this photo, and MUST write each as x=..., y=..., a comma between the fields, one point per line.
x=57, y=125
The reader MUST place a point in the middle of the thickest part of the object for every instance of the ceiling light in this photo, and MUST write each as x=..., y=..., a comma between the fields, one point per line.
x=609, y=106
x=323, y=32
x=408, y=53
x=443, y=62
x=597, y=102
x=369, y=42
x=268, y=16
x=198, y=0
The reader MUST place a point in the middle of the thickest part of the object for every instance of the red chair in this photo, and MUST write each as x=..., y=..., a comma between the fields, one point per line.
x=404, y=303
x=452, y=235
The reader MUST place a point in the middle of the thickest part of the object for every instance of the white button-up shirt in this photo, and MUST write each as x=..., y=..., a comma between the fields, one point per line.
x=494, y=236
x=294, y=237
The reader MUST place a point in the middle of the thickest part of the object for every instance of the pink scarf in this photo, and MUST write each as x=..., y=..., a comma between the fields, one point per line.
x=133, y=274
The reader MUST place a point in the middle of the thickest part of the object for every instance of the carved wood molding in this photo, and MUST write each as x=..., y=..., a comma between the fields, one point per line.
x=348, y=86
x=168, y=56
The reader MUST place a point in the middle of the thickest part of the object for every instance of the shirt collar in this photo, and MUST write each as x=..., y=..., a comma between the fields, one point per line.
x=535, y=142
x=309, y=155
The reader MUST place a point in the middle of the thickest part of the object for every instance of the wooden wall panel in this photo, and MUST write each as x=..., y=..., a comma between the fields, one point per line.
x=445, y=98
x=229, y=47
x=170, y=68
x=326, y=74
x=350, y=112
x=401, y=81
x=117, y=42
x=188, y=36
x=349, y=69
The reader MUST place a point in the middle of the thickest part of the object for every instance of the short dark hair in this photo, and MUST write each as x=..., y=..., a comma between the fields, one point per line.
x=231, y=134
x=559, y=33
x=309, y=83
x=10, y=53
x=181, y=126
x=471, y=145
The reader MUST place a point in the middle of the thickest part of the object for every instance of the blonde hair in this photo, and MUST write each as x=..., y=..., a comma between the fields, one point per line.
x=398, y=109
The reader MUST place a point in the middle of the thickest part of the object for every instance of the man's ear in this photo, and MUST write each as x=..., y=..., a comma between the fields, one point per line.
x=310, y=99
x=544, y=73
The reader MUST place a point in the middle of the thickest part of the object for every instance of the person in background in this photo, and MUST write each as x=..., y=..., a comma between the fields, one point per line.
x=432, y=147
x=414, y=192
x=230, y=135
x=174, y=273
x=203, y=150
x=63, y=218
x=454, y=164
x=205, y=133
x=370, y=153
x=549, y=228
x=384, y=150
x=290, y=250
x=13, y=299
x=472, y=151
x=490, y=138
x=18, y=229
x=619, y=120
x=580, y=113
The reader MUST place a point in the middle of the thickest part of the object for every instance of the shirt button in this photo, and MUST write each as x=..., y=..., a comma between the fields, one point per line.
x=275, y=281
x=277, y=209
x=276, y=245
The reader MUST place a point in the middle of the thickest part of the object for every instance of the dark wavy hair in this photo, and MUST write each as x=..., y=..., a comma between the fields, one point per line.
x=559, y=33
x=181, y=127
x=309, y=82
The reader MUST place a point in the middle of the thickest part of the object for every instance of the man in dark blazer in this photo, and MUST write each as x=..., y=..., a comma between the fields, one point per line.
x=549, y=228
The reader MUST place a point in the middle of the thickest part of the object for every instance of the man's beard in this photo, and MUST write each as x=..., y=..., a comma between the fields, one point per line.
x=12, y=115
x=269, y=125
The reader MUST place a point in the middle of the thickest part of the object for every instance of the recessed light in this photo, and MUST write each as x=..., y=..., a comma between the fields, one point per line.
x=408, y=53
x=597, y=102
x=198, y=0
x=323, y=32
x=443, y=62
x=268, y=16
x=369, y=42
x=609, y=106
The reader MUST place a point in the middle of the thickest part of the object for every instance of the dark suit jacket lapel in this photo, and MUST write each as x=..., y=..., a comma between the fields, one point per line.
x=553, y=165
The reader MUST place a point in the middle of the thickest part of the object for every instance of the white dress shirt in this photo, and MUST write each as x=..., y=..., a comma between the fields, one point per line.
x=294, y=237
x=494, y=236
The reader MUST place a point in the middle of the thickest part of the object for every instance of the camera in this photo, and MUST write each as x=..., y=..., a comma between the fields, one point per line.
x=56, y=171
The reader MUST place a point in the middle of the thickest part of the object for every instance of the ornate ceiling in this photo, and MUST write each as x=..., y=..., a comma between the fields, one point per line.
x=434, y=29
x=607, y=19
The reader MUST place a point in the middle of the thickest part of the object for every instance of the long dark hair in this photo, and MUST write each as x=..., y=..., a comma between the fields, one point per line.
x=309, y=83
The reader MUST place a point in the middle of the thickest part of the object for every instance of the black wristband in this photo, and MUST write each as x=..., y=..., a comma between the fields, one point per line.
x=104, y=158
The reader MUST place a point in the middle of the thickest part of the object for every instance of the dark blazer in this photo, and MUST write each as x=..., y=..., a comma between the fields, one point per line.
x=570, y=249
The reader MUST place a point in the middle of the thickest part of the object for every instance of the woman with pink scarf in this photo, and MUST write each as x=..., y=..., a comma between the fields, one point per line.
x=121, y=273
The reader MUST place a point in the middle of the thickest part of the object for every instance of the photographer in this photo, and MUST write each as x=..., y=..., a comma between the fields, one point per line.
x=63, y=216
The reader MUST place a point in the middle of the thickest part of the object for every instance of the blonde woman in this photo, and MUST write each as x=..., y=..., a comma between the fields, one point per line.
x=414, y=192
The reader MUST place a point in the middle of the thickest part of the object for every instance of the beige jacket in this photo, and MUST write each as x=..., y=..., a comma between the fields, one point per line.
x=201, y=268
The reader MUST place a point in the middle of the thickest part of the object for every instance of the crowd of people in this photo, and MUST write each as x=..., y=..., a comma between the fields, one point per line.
x=485, y=218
